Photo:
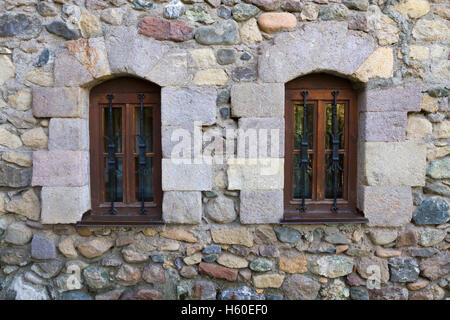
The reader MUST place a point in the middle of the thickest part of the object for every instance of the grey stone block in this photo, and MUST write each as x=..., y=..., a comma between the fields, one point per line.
x=68, y=134
x=382, y=126
x=251, y=100
x=185, y=176
x=182, y=207
x=261, y=206
x=64, y=204
x=60, y=102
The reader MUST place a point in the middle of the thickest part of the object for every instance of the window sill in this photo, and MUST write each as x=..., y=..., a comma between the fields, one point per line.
x=294, y=217
x=122, y=220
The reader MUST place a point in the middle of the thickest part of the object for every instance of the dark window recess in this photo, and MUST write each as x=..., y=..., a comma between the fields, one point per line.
x=320, y=151
x=125, y=153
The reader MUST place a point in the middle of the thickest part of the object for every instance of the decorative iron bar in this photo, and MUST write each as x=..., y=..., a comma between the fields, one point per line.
x=335, y=138
x=304, y=151
x=142, y=160
x=111, y=156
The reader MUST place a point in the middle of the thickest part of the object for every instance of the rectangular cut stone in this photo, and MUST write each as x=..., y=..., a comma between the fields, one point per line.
x=393, y=163
x=386, y=206
x=60, y=168
x=261, y=206
x=64, y=204
x=182, y=136
x=184, y=105
x=382, y=126
x=176, y=75
x=250, y=100
x=255, y=138
x=185, y=176
x=403, y=98
x=182, y=207
x=255, y=174
x=60, y=102
x=68, y=134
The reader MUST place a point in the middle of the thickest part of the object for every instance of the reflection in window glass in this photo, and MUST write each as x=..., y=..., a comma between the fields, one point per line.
x=148, y=181
x=118, y=181
x=298, y=124
x=116, y=126
x=148, y=127
x=298, y=191
x=329, y=177
x=341, y=121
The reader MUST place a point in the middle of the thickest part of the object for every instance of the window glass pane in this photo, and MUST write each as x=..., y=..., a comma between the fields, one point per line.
x=298, y=124
x=118, y=186
x=340, y=120
x=147, y=126
x=298, y=190
x=329, y=177
x=147, y=180
x=116, y=127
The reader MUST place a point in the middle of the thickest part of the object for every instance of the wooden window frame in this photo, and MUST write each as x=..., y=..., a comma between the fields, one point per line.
x=125, y=91
x=319, y=209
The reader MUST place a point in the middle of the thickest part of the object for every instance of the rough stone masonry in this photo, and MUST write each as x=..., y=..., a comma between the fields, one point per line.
x=222, y=239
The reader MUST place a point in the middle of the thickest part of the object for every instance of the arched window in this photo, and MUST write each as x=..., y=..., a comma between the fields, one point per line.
x=320, y=150
x=125, y=153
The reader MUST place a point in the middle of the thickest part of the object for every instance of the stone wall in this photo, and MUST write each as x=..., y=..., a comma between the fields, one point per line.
x=222, y=239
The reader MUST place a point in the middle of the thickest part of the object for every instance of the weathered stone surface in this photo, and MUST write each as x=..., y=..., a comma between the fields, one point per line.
x=403, y=269
x=239, y=236
x=276, y=22
x=437, y=92
x=433, y=210
x=154, y=274
x=300, y=287
x=266, y=5
x=68, y=134
x=428, y=104
x=26, y=291
x=241, y=293
x=412, y=8
x=385, y=29
x=382, y=126
x=298, y=53
x=430, y=30
x=67, y=248
x=20, y=25
x=15, y=256
x=131, y=256
x=28, y=205
x=232, y=261
x=430, y=237
x=393, y=163
x=337, y=238
x=244, y=74
x=68, y=70
x=224, y=12
x=332, y=266
x=142, y=293
x=18, y=233
x=35, y=138
x=60, y=168
x=121, y=45
x=255, y=174
x=261, y=206
x=61, y=29
x=21, y=100
x=379, y=64
x=337, y=290
x=110, y=295
x=419, y=53
x=359, y=293
x=96, y=277
x=423, y=252
x=199, y=14
x=95, y=247
x=188, y=272
x=401, y=98
x=211, y=77
x=268, y=280
x=387, y=253
x=436, y=267
x=292, y=5
x=383, y=236
x=199, y=104
x=59, y=102
x=407, y=238
x=261, y=265
x=216, y=271
x=360, y=5
x=179, y=234
x=223, y=32
x=386, y=206
x=9, y=139
x=174, y=9
x=418, y=127
x=47, y=269
x=243, y=11
x=389, y=293
x=419, y=284
x=128, y=275
x=293, y=265
x=193, y=259
x=112, y=16
x=287, y=234
x=203, y=57
x=182, y=207
x=12, y=176
x=92, y=55
x=42, y=247
x=439, y=169
x=373, y=268
x=333, y=12
x=221, y=210
x=165, y=30
x=257, y=100
x=90, y=25
x=64, y=204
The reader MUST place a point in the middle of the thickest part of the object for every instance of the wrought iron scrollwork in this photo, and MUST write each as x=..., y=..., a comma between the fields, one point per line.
x=304, y=161
x=335, y=137
x=111, y=156
x=142, y=171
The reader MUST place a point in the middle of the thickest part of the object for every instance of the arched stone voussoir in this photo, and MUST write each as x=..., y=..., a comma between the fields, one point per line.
x=318, y=47
x=134, y=54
